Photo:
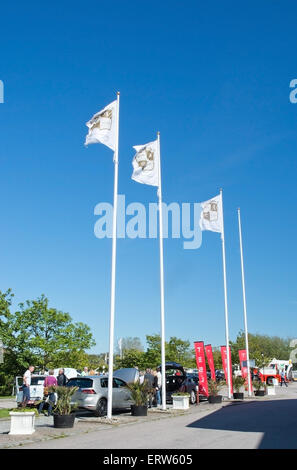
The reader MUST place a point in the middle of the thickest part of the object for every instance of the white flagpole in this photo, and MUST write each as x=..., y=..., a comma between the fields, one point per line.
x=162, y=282
x=226, y=301
x=113, y=264
x=244, y=308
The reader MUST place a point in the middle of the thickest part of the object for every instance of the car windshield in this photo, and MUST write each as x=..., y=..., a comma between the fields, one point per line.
x=37, y=380
x=80, y=382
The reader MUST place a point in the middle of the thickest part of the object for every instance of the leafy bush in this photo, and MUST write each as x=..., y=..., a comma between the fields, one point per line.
x=238, y=382
x=258, y=384
x=180, y=394
x=21, y=409
x=139, y=392
x=6, y=384
x=63, y=406
x=214, y=387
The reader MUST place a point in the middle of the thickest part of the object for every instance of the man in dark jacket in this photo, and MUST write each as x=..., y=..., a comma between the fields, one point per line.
x=61, y=379
x=149, y=378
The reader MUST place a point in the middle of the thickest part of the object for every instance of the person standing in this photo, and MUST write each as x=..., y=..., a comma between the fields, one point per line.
x=61, y=379
x=156, y=389
x=283, y=378
x=49, y=381
x=85, y=372
x=159, y=376
x=141, y=377
x=26, y=385
x=149, y=379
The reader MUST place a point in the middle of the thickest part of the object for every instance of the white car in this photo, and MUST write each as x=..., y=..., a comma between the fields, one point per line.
x=36, y=387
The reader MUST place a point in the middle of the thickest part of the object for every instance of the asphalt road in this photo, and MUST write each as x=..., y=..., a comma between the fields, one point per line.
x=250, y=425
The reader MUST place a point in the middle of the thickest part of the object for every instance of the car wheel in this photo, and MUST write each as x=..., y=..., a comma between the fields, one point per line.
x=101, y=408
x=193, y=397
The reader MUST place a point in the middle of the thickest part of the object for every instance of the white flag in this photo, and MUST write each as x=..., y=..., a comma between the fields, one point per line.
x=102, y=127
x=211, y=217
x=146, y=164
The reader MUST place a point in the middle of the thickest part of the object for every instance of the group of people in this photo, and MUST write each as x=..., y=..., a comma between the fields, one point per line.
x=86, y=371
x=154, y=380
x=48, y=397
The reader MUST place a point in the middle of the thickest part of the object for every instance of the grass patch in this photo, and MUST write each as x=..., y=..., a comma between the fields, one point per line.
x=4, y=412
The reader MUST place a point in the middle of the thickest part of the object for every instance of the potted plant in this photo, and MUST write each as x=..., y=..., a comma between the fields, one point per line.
x=22, y=420
x=63, y=411
x=181, y=401
x=259, y=387
x=140, y=395
x=213, y=389
x=238, y=383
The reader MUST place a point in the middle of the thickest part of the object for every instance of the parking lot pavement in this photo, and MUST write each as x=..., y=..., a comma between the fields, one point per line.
x=86, y=424
x=8, y=402
x=252, y=423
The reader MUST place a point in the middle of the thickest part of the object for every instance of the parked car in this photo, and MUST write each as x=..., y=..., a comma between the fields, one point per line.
x=36, y=387
x=92, y=393
x=193, y=376
x=220, y=375
x=178, y=380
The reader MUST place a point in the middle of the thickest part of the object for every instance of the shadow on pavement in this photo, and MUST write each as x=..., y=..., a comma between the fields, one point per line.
x=277, y=419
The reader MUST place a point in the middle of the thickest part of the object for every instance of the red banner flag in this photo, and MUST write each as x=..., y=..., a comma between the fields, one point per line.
x=244, y=369
x=201, y=366
x=209, y=355
x=224, y=361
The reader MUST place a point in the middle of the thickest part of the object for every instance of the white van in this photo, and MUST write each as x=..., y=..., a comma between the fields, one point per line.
x=36, y=387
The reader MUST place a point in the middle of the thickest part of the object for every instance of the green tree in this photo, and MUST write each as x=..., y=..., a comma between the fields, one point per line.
x=217, y=358
x=262, y=348
x=179, y=351
x=176, y=350
x=132, y=358
x=40, y=335
x=129, y=343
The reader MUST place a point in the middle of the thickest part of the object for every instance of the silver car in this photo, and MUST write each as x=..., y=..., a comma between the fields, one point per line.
x=92, y=391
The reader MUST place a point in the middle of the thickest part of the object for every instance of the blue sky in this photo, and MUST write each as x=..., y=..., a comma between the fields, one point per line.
x=214, y=80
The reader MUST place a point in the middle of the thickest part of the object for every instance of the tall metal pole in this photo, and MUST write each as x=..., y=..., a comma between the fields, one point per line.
x=244, y=308
x=226, y=301
x=113, y=265
x=162, y=282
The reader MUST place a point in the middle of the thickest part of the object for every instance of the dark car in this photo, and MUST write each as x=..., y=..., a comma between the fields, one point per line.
x=194, y=376
x=178, y=381
x=220, y=375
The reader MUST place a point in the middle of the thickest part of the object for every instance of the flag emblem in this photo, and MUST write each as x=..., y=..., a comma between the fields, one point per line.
x=102, y=127
x=146, y=164
x=102, y=121
x=210, y=211
x=146, y=159
x=211, y=217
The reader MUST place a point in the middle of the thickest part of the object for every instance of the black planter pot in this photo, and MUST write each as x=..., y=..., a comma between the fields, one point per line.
x=215, y=399
x=238, y=396
x=64, y=421
x=139, y=410
x=260, y=393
